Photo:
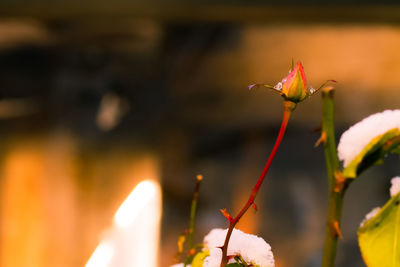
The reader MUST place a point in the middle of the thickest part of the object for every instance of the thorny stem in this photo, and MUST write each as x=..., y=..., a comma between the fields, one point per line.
x=193, y=208
x=288, y=108
x=337, y=183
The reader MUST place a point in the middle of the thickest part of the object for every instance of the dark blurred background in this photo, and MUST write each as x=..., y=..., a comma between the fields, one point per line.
x=96, y=96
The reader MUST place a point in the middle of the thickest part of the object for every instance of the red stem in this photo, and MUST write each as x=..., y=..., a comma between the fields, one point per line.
x=288, y=108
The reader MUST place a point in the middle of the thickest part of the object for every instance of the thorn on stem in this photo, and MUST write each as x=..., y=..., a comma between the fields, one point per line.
x=340, y=182
x=336, y=229
x=322, y=139
x=227, y=215
x=254, y=206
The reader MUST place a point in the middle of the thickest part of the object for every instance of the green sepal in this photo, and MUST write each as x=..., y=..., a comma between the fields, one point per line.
x=379, y=237
x=374, y=152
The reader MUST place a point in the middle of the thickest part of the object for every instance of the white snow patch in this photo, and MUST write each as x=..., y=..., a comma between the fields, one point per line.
x=395, y=188
x=353, y=141
x=251, y=248
x=180, y=265
x=369, y=215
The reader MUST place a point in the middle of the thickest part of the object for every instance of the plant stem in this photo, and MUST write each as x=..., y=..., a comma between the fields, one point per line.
x=288, y=108
x=332, y=226
x=337, y=183
x=193, y=208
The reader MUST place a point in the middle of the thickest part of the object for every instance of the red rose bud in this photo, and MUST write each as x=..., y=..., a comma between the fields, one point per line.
x=293, y=87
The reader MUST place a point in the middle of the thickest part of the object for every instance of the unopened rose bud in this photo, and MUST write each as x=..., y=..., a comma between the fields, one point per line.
x=293, y=88
x=294, y=85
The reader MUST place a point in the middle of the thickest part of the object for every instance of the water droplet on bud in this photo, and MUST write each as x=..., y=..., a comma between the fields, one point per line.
x=278, y=86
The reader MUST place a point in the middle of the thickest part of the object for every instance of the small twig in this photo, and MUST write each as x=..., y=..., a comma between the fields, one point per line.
x=193, y=208
x=191, y=247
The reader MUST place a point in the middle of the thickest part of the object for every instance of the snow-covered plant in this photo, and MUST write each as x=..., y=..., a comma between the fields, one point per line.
x=369, y=139
x=231, y=247
x=244, y=250
x=363, y=145
x=379, y=232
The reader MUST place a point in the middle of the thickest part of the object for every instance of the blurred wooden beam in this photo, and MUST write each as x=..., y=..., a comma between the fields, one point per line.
x=203, y=12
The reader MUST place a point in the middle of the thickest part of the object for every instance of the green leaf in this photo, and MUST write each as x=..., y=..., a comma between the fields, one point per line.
x=379, y=237
x=199, y=258
x=374, y=152
x=236, y=264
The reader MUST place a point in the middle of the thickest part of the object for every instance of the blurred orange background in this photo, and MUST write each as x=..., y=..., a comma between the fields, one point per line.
x=95, y=99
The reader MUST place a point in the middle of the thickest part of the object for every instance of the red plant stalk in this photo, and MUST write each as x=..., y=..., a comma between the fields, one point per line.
x=289, y=106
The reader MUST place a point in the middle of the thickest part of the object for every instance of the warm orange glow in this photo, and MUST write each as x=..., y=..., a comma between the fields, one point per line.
x=135, y=202
x=23, y=231
x=133, y=240
x=37, y=204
